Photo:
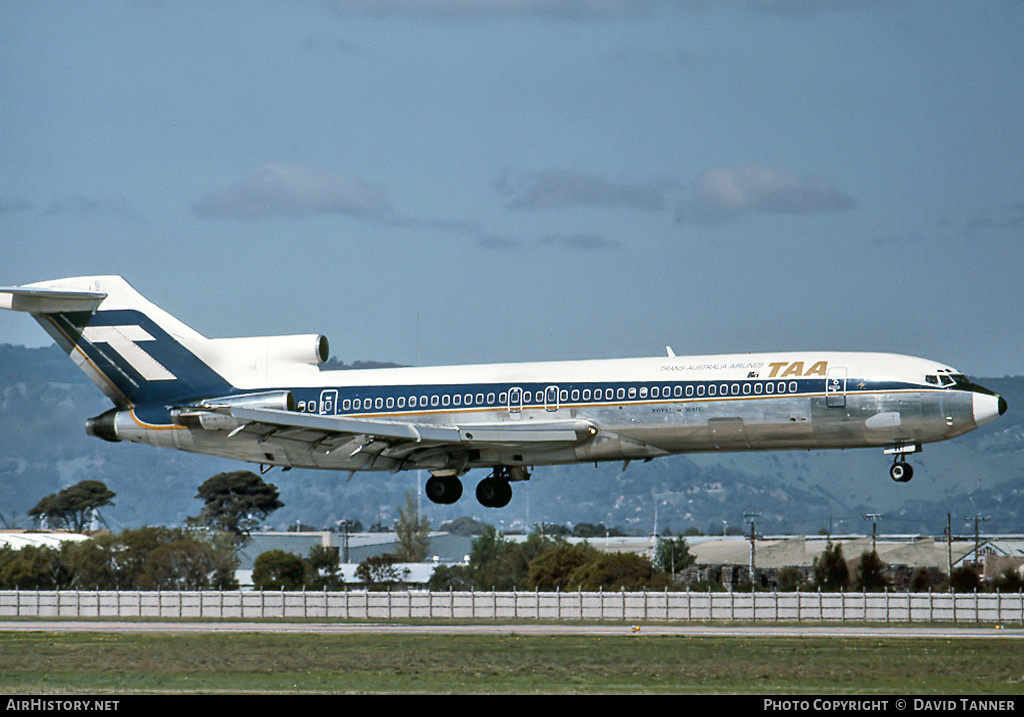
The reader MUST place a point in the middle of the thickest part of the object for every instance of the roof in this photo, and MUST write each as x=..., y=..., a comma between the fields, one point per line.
x=17, y=540
x=443, y=547
x=801, y=551
x=418, y=574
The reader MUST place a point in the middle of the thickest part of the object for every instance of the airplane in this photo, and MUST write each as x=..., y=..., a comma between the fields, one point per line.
x=266, y=400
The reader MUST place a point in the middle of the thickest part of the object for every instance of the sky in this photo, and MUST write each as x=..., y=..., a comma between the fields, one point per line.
x=473, y=181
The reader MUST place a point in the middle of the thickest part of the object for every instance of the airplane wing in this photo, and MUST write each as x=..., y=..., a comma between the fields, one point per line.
x=469, y=435
x=401, y=442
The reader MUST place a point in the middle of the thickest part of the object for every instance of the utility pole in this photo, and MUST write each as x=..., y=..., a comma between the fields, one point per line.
x=343, y=524
x=949, y=543
x=874, y=518
x=751, y=518
x=977, y=539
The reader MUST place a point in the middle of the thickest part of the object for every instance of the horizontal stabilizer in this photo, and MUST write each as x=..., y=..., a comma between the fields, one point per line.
x=39, y=300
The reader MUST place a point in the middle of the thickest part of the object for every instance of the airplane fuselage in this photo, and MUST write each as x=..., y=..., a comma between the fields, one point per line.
x=641, y=408
x=264, y=399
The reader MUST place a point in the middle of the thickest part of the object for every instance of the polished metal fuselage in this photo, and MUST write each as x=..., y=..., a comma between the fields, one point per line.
x=639, y=408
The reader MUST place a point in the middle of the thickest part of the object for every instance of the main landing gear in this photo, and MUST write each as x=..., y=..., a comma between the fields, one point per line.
x=444, y=490
x=492, y=492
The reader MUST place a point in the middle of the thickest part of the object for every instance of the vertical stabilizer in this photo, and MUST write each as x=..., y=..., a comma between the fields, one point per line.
x=133, y=350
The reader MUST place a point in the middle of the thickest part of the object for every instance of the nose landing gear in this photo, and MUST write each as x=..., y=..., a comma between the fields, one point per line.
x=901, y=471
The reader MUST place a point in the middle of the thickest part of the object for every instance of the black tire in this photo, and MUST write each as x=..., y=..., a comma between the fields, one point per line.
x=493, y=493
x=901, y=472
x=443, y=490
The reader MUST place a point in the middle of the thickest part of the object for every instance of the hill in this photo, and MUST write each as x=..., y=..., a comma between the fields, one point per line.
x=44, y=401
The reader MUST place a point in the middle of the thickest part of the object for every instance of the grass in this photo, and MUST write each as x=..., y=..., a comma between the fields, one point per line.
x=98, y=663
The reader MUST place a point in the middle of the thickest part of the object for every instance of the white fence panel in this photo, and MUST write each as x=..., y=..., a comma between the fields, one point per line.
x=595, y=606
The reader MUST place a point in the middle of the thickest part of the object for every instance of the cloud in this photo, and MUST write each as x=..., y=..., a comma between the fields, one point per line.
x=561, y=189
x=78, y=206
x=998, y=217
x=12, y=206
x=721, y=194
x=294, y=191
x=572, y=242
x=580, y=242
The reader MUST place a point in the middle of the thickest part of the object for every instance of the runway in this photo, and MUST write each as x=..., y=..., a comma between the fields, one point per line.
x=678, y=630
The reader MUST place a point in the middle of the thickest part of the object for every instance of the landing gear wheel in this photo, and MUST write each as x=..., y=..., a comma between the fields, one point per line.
x=444, y=490
x=494, y=493
x=901, y=471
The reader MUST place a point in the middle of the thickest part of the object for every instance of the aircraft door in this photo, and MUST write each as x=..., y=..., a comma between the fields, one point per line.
x=515, y=401
x=835, y=387
x=329, y=402
x=551, y=398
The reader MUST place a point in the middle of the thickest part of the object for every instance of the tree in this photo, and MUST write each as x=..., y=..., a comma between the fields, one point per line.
x=831, y=573
x=278, y=570
x=139, y=559
x=870, y=574
x=673, y=556
x=789, y=579
x=1008, y=581
x=33, y=568
x=322, y=568
x=552, y=568
x=499, y=564
x=922, y=580
x=185, y=564
x=72, y=508
x=236, y=502
x=965, y=579
x=379, y=571
x=617, y=571
x=451, y=577
x=413, y=532
x=589, y=530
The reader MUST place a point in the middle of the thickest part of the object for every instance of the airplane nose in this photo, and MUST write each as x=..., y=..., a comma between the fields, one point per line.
x=988, y=407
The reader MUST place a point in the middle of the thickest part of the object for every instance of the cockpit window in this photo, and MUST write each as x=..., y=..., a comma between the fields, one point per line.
x=947, y=379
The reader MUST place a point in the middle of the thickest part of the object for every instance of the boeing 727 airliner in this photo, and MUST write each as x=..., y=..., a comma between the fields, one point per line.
x=266, y=401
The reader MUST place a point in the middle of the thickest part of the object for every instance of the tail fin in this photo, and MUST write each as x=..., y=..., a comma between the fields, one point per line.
x=134, y=351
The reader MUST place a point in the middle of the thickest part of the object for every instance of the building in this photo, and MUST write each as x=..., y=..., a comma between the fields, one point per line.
x=18, y=539
x=354, y=548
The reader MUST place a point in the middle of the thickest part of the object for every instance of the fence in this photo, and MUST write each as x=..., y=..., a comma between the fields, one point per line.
x=888, y=607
